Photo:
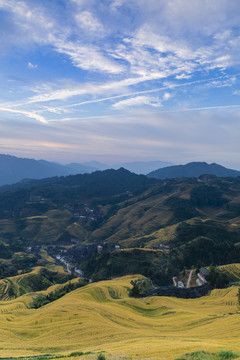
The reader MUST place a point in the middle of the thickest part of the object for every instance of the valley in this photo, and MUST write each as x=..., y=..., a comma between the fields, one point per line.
x=72, y=249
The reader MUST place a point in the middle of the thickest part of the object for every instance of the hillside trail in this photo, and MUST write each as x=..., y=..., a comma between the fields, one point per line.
x=189, y=279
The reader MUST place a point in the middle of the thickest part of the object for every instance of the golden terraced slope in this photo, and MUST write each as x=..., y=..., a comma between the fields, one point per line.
x=102, y=317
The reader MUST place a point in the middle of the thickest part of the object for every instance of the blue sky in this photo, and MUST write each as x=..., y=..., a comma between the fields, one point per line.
x=120, y=80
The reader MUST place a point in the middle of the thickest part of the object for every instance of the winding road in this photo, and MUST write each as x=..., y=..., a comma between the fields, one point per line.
x=189, y=279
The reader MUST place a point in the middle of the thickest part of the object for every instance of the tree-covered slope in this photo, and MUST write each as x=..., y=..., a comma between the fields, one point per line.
x=199, y=219
x=193, y=169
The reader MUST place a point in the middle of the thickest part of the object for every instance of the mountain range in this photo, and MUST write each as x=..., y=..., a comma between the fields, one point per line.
x=14, y=169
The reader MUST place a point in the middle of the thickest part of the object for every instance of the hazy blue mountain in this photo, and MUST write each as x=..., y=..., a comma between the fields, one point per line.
x=96, y=165
x=13, y=169
x=193, y=169
x=137, y=167
x=77, y=168
x=143, y=167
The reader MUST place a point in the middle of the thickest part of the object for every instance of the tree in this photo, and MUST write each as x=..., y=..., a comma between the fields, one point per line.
x=101, y=357
x=135, y=291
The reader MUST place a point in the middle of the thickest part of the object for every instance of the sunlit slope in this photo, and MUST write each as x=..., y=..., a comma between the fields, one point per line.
x=38, y=279
x=147, y=217
x=37, y=229
x=101, y=316
x=232, y=271
x=144, y=216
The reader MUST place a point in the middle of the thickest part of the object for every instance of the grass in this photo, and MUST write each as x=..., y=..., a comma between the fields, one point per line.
x=91, y=319
x=204, y=355
x=197, y=355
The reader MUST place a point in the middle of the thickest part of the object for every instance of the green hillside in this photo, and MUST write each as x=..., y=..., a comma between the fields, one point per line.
x=199, y=219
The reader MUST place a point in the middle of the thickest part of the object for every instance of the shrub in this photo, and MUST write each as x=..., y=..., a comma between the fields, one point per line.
x=227, y=354
x=101, y=357
x=77, y=353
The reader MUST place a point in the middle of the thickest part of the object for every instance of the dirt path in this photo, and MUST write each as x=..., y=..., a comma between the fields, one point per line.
x=189, y=279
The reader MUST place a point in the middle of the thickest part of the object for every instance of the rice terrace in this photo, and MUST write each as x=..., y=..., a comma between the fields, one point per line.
x=102, y=318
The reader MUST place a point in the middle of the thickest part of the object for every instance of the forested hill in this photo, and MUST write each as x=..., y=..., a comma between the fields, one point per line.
x=98, y=183
x=105, y=187
x=193, y=169
x=199, y=219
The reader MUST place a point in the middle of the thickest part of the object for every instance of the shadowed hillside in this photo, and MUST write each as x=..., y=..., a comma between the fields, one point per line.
x=193, y=169
x=197, y=219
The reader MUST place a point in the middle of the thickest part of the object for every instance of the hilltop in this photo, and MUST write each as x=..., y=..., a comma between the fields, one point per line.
x=193, y=169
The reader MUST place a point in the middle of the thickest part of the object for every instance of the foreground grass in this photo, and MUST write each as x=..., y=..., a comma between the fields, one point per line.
x=197, y=355
x=101, y=317
x=204, y=355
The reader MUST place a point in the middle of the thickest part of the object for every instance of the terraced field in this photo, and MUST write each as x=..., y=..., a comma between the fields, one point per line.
x=4, y=286
x=102, y=317
x=232, y=271
x=37, y=279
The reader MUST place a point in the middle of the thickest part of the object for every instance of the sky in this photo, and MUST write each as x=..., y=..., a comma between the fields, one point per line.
x=120, y=80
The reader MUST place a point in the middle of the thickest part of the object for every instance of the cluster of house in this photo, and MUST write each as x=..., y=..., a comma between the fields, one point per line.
x=100, y=248
x=161, y=247
x=129, y=193
x=65, y=262
x=84, y=213
x=202, y=276
x=77, y=253
x=206, y=179
x=37, y=199
x=33, y=249
x=202, y=279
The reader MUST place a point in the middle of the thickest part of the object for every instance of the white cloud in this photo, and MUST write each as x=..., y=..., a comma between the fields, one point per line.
x=137, y=101
x=87, y=57
x=88, y=22
x=41, y=28
x=29, y=114
x=75, y=89
x=117, y=3
x=135, y=48
x=166, y=96
x=182, y=76
x=46, y=92
x=171, y=36
x=32, y=66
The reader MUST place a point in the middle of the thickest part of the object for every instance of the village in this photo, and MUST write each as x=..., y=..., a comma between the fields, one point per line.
x=69, y=256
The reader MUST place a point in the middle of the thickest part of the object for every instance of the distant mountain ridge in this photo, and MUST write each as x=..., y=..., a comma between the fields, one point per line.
x=143, y=167
x=14, y=169
x=193, y=169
